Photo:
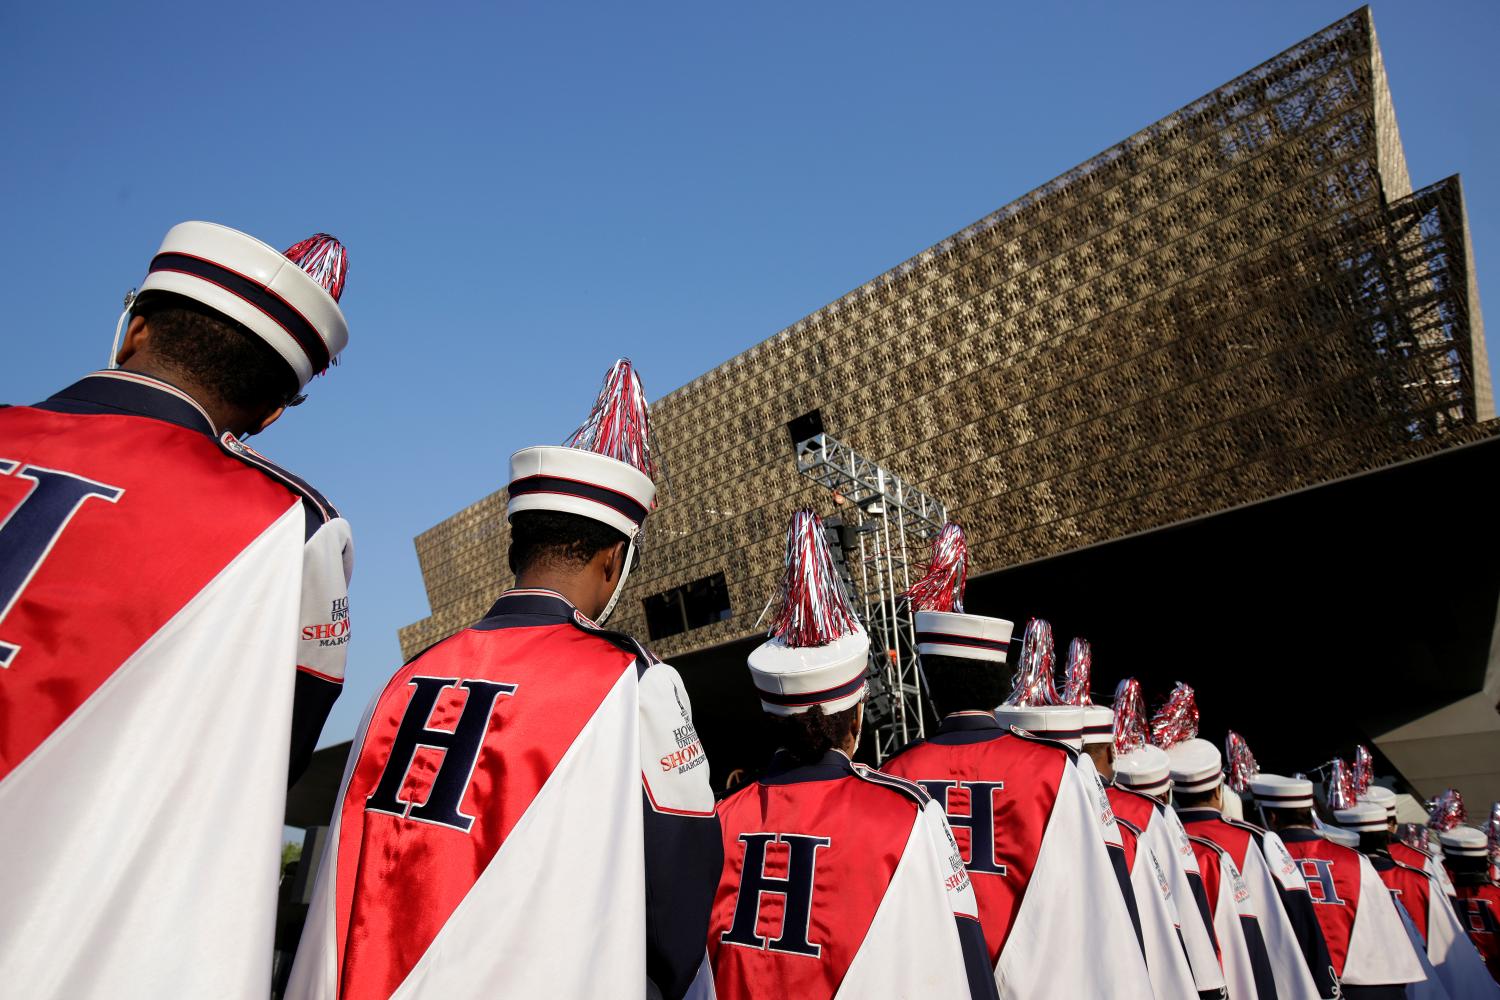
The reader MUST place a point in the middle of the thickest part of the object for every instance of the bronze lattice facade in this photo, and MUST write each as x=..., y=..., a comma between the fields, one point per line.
x=1244, y=299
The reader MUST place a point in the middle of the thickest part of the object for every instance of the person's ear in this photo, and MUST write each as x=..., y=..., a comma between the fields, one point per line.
x=268, y=420
x=137, y=334
x=616, y=564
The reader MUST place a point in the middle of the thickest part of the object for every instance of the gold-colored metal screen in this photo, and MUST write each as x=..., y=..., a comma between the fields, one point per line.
x=1243, y=299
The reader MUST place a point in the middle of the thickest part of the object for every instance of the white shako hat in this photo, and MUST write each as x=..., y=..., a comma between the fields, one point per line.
x=1383, y=797
x=1463, y=842
x=554, y=477
x=1275, y=791
x=605, y=468
x=289, y=300
x=1063, y=723
x=967, y=637
x=1340, y=836
x=1362, y=817
x=1098, y=724
x=1145, y=769
x=1197, y=765
x=1033, y=705
x=817, y=653
x=603, y=472
x=942, y=627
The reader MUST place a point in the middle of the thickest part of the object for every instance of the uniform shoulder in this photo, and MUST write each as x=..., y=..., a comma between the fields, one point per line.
x=1134, y=796
x=1043, y=741
x=1402, y=866
x=1339, y=852
x=737, y=797
x=317, y=505
x=913, y=745
x=1209, y=855
x=1418, y=850
x=1213, y=849
x=1258, y=832
x=644, y=658
x=910, y=789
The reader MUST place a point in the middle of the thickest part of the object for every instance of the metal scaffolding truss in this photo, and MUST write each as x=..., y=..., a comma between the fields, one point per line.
x=829, y=461
x=892, y=517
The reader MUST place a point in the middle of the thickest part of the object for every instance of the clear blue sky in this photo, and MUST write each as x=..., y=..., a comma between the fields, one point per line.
x=528, y=191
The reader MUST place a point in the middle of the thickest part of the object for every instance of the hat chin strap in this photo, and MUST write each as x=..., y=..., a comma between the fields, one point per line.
x=114, y=351
x=620, y=584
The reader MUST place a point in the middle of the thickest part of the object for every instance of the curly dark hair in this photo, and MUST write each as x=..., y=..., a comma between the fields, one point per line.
x=1462, y=865
x=962, y=685
x=217, y=353
x=1279, y=818
x=808, y=736
x=553, y=537
x=1192, y=800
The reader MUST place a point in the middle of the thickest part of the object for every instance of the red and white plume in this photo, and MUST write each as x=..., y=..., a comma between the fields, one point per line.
x=1080, y=671
x=814, y=608
x=1033, y=684
x=1239, y=762
x=1413, y=835
x=619, y=425
x=1447, y=810
x=1340, y=791
x=942, y=586
x=1177, y=719
x=1492, y=842
x=1131, y=732
x=1364, y=770
x=324, y=259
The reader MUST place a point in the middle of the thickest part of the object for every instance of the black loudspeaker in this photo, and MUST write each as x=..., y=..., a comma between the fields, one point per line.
x=843, y=546
x=808, y=425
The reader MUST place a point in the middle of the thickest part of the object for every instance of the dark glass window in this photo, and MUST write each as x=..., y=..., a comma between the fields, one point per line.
x=692, y=605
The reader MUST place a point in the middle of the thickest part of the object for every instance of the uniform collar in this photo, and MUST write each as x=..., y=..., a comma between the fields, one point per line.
x=1299, y=834
x=544, y=606
x=1198, y=814
x=785, y=770
x=1467, y=880
x=966, y=722
x=135, y=394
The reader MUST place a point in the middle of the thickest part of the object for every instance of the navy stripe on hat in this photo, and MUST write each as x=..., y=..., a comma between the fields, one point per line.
x=1134, y=783
x=813, y=697
x=948, y=639
x=281, y=312
x=612, y=499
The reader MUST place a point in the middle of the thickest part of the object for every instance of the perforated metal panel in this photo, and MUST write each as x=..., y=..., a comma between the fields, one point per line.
x=1241, y=300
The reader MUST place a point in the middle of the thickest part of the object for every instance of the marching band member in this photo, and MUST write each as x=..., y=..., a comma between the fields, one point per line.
x=1159, y=829
x=174, y=623
x=1021, y=810
x=1455, y=964
x=1477, y=897
x=531, y=768
x=838, y=880
x=1294, y=941
x=1162, y=922
x=1035, y=707
x=1371, y=953
x=1422, y=852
